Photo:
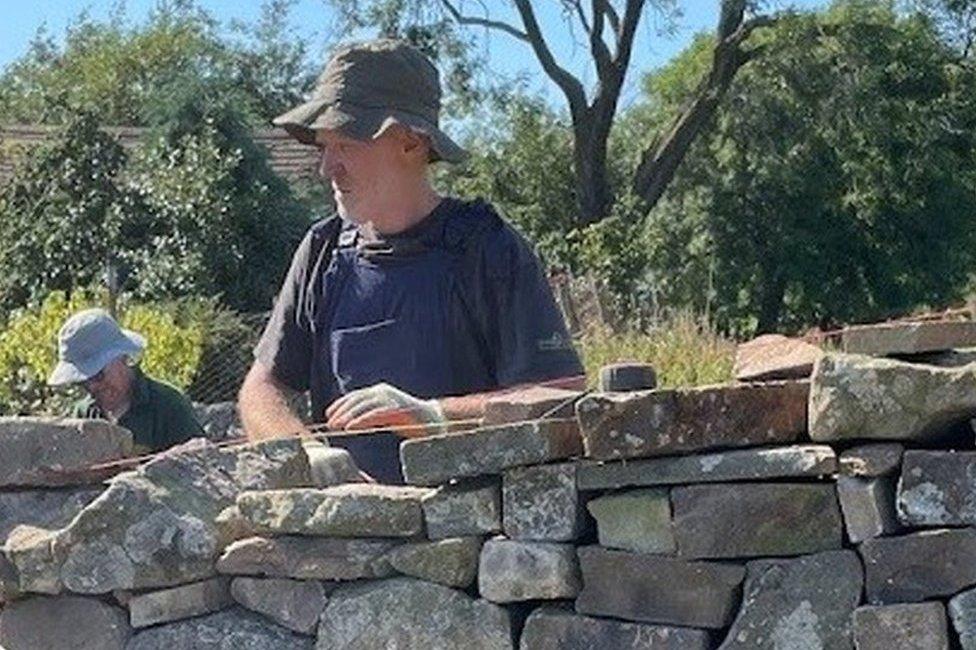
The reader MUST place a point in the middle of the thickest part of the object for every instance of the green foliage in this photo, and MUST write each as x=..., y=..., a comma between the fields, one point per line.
x=28, y=350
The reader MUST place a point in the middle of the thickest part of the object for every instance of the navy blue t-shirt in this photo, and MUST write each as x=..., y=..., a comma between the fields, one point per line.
x=458, y=304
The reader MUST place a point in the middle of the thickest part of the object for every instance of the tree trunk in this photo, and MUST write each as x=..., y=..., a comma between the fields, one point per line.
x=594, y=197
x=771, y=300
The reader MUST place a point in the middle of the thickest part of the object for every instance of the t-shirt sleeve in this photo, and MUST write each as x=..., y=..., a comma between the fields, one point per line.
x=286, y=343
x=527, y=333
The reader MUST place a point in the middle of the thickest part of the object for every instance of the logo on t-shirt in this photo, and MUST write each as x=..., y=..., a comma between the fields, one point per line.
x=554, y=343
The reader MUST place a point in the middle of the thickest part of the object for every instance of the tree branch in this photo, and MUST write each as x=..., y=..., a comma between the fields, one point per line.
x=601, y=54
x=569, y=84
x=612, y=16
x=502, y=26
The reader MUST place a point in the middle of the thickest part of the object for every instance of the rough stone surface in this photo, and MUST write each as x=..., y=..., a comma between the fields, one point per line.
x=155, y=527
x=738, y=465
x=542, y=503
x=920, y=566
x=42, y=508
x=733, y=520
x=231, y=629
x=868, y=505
x=774, y=356
x=905, y=627
x=403, y=613
x=176, y=603
x=551, y=628
x=294, y=604
x=945, y=358
x=56, y=451
x=512, y=571
x=437, y=459
x=639, y=521
x=876, y=459
x=657, y=589
x=805, y=602
x=661, y=422
x=469, y=508
x=856, y=397
x=9, y=582
x=452, y=562
x=220, y=421
x=908, y=337
x=938, y=488
x=531, y=403
x=56, y=622
x=351, y=510
x=308, y=558
x=962, y=613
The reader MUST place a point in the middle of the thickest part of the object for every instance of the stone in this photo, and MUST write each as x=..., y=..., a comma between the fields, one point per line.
x=469, y=508
x=740, y=520
x=919, y=566
x=350, y=510
x=408, y=613
x=626, y=376
x=451, y=562
x=9, y=580
x=38, y=451
x=657, y=589
x=663, y=422
x=530, y=403
x=639, y=521
x=906, y=627
x=937, y=488
x=805, y=602
x=511, y=571
x=962, y=613
x=794, y=461
x=75, y=622
x=234, y=628
x=308, y=558
x=875, y=459
x=774, y=356
x=868, y=505
x=294, y=604
x=30, y=560
x=542, y=503
x=49, y=509
x=907, y=337
x=945, y=358
x=155, y=527
x=551, y=628
x=176, y=603
x=854, y=397
x=220, y=421
x=488, y=450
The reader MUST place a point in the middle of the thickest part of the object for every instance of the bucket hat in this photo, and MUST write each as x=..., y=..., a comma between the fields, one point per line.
x=367, y=87
x=87, y=342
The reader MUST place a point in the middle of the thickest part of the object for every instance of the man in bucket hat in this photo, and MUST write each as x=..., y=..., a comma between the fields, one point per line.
x=95, y=352
x=406, y=309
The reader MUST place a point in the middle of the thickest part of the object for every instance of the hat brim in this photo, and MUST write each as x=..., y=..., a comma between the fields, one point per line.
x=361, y=123
x=77, y=371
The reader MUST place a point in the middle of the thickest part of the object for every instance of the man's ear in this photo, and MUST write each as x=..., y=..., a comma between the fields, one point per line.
x=414, y=144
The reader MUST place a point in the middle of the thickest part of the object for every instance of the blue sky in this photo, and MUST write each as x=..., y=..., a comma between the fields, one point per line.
x=312, y=20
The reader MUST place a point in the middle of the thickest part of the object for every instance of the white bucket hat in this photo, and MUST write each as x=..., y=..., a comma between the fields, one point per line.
x=89, y=341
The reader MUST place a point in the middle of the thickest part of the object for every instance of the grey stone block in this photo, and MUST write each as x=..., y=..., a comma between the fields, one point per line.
x=512, y=571
x=876, y=459
x=531, y=403
x=75, y=622
x=308, y=558
x=452, y=562
x=908, y=337
x=805, y=602
x=658, y=589
x=773, y=356
x=234, y=628
x=920, y=566
x=551, y=628
x=469, y=508
x=868, y=505
x=905, y=627
x=294, y=604
x=962, y=613
x=489, y=450
x=49, y=509
x=739, y=520
x=176, y=603
x=542, y=503
x=639, y=521
x=937, y=488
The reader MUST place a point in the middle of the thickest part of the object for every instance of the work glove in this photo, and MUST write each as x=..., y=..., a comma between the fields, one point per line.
x=331, y=465
x=383, y=405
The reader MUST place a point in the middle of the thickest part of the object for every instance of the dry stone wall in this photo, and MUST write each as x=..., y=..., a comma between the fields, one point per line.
x=835, y=510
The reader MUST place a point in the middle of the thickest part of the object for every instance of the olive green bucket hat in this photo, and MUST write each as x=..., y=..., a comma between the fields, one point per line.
x=366, y=88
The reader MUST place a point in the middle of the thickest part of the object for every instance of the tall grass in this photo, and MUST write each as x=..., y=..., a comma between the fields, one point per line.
x=684, y=349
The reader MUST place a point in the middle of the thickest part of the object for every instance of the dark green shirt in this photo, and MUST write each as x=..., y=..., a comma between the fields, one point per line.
x=159, y=415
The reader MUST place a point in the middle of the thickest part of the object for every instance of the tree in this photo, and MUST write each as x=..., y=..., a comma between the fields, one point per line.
x=610, y=29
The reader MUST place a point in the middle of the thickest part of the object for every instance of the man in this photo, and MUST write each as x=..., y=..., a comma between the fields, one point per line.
x=95, y=352
x=408, y=308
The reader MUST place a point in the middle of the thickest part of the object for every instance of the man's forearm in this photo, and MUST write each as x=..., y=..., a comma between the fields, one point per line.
x=466, y=407
x=265, y=412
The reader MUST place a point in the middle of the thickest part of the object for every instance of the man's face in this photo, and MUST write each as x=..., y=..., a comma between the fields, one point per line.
x=366, y=175
x=111, y=387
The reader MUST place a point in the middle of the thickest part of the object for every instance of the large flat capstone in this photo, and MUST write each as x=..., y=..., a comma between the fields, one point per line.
x=407, y=613
x=488, y=450
x=38, y=451
x=661, y=422
x=920, y=566
x=739, y=520
x=553, y=628
x=855, y=397
x=308, y=558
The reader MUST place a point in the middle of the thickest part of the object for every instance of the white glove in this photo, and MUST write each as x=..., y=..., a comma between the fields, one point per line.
x=330, y=465
x=383, y=405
